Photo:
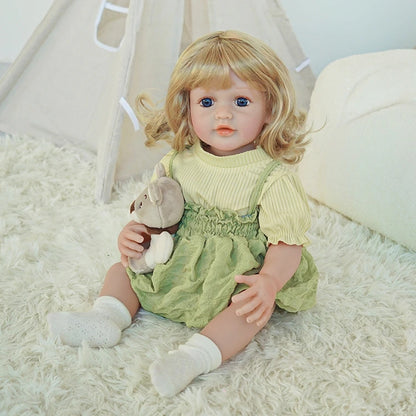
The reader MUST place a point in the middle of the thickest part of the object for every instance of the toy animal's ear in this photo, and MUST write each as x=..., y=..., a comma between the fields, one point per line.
x=155, y=193
x=160, y=170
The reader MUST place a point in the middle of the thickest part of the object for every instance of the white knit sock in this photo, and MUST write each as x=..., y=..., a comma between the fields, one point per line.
x=172, y=373
x=100, y=327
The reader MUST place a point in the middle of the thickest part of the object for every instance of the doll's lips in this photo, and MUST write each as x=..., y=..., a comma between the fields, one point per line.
x=224, y=131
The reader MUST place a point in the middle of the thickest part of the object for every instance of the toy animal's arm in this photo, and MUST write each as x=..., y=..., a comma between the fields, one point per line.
x=171, y=230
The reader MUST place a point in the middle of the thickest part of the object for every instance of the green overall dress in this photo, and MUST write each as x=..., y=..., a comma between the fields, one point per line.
x=211, y=247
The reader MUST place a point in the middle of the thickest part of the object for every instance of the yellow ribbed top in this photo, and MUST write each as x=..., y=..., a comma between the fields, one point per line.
x=227, y=182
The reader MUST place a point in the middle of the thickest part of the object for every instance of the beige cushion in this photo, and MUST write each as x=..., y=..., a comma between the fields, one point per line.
x=362, y=163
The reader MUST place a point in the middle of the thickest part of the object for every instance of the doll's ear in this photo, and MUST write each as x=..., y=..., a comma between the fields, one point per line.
x=160, y=170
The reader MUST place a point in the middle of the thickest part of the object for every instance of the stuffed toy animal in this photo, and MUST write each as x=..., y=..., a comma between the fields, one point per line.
x=159, y=207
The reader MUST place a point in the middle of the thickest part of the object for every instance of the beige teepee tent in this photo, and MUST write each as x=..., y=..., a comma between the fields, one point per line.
x=77, y=78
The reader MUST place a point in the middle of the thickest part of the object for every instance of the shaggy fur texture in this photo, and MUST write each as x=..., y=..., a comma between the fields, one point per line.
x=354, y=353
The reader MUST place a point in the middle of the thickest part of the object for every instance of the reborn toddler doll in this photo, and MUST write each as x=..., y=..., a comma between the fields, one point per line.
x=239, y=252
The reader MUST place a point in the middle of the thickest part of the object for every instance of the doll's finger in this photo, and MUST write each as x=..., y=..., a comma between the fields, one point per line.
x=133, y=246
x=242, y=296
x=138, y=229
x=131, y=253
x=256, y=315
x=264, y=318
x=133, y=236
x=248, y=307
x=124, y=260
x=248, y=280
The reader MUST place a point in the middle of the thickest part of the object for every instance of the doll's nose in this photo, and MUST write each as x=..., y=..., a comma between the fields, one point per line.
x=223, y=113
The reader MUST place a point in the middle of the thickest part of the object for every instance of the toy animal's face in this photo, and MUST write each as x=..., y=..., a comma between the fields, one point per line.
x=160, y=205
x=145, y=211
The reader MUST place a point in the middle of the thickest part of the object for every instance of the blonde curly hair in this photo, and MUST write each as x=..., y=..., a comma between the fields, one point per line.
x=207, y=62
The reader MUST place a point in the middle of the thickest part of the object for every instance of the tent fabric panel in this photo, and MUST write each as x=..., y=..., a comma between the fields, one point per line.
x=57, y=94
x=151, y=62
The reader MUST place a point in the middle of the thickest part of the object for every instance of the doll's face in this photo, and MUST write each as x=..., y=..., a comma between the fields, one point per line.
x=228, y=120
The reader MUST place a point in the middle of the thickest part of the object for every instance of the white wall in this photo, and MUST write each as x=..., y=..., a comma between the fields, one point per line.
x=18, y=19
x=326, y=29
x=332, y=29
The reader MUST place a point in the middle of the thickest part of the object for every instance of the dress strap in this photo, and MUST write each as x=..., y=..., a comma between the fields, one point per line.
x=170, y=173
x=255, y=195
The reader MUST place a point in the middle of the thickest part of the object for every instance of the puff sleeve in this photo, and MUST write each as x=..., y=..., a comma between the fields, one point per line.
x=165, y=161
x=284, y=211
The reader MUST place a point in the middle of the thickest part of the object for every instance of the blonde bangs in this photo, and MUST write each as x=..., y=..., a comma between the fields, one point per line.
x=209, y=63
x=209, y=76
x=209, y=68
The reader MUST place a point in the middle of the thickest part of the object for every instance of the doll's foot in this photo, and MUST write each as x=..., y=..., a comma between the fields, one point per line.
x=100, y=327
x=172, y=373
x=74, y=328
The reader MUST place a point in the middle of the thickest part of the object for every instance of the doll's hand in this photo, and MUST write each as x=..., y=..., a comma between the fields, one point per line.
x=258, y=301
x=130, y=241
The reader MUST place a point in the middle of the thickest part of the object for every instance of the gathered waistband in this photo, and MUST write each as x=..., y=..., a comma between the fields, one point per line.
x=198, y=220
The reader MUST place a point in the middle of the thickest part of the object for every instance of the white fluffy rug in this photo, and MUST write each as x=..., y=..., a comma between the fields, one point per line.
x=353, y=354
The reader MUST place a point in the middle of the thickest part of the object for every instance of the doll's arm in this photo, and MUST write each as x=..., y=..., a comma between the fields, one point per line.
x=258, y=301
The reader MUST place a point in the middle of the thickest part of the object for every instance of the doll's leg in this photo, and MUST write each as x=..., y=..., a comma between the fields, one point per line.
x=102, y=325
x=226, y=335
x=231, y=333
x=117, y=284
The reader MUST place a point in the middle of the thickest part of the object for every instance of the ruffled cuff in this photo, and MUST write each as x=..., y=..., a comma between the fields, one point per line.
x=289, y=238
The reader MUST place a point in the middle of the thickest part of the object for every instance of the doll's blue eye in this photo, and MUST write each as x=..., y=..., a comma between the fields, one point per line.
x=206, y=102
x=242, y=101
